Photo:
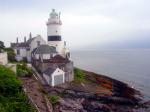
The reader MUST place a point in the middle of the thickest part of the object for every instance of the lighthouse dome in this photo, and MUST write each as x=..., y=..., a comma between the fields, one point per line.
x=53, y=14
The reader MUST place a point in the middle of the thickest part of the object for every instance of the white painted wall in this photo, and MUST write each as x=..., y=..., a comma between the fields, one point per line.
x=46, y=56
x=58, y=44
x=53, y=29
x=58, y=72
x=3, y=58
x=34, y=42
x=34, y=45
x=55, y=73
x=23, y=52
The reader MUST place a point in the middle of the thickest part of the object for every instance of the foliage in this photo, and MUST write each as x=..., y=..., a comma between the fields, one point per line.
x=53, y=99
x=2, y=46
x=24, y=70
x=11, y=54
x=12, y=98
x=79, y=75
x=8, y=82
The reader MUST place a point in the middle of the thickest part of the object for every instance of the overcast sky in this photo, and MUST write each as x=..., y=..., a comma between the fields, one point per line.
x=86, y=23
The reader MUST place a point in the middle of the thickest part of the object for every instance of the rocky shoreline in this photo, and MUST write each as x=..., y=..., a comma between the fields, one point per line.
x=97, y=94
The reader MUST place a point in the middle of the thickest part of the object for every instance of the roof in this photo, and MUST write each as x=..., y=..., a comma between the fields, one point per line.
x=22, y=44
x=49, y=71
x=57, y=59
x=44, y=49
x=30, y=40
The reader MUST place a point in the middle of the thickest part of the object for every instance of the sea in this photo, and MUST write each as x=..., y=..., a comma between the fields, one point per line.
x=131, y=66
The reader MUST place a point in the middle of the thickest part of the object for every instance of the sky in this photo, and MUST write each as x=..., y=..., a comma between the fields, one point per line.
x=87, y=24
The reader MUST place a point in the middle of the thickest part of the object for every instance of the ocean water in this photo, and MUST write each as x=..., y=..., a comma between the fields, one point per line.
x=131, y=66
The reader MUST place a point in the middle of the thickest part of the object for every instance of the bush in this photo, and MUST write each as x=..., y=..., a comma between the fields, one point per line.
x=11, y=54
x=8, y=82
x=79, y=75
x=24, y=70
x=21, y=72
x=54, y=99
x=12, y=98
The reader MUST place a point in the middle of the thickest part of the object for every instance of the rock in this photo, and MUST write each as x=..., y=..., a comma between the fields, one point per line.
x=71, y=105
x=96, y=107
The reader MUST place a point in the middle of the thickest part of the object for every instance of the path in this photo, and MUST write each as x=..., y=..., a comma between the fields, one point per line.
x=34, y=92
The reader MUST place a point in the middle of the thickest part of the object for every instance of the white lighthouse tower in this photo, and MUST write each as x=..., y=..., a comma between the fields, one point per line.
x=54, y=33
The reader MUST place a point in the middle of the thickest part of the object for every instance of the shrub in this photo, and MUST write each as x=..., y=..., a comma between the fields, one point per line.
x=12, y=98
x=11, y=54
x=54, y=99
x=8, y=82
x=21, y=72
x=24, y=70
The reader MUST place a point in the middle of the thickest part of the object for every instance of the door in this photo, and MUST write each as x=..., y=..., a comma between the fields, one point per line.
x=58, y=79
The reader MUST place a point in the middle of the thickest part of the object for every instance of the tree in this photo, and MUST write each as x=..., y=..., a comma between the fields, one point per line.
x=1, y=46
x=11, y=54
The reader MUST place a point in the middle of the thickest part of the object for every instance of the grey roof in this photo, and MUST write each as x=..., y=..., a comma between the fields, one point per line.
x=30, y=40
x=44, y=49
x=22, y=44
x=49, y=71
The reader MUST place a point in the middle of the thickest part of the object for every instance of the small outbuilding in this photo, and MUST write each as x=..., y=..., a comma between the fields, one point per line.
x=54, y=76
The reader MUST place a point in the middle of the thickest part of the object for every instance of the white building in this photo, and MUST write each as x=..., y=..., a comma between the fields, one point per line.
x=44, y=52
x=54, y=34
x=24, y=49
x=51, y=59
x=54, y=76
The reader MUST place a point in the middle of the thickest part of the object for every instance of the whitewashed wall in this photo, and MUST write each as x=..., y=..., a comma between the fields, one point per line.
x=53, y=29
x=23, y=52
x=58, y=44
x=3, y=58
x=46, y=56
x=34, y=42
x=58, y=72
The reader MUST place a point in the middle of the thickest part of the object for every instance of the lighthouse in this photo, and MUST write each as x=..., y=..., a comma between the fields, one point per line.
x=54, y=32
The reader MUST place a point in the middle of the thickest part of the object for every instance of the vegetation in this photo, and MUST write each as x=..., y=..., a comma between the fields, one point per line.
x=53, y=99
x=11, y=54
x=23, y=70
x=1, y=46
x=12, y=98
x=79, y=76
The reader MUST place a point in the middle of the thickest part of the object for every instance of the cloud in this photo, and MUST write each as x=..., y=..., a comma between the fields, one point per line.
x=86, y=22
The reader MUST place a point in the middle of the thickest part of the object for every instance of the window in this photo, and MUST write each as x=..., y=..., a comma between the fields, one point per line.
x=18, y=52
x=38, y=43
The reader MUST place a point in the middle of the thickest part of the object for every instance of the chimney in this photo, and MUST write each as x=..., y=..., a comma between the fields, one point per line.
x=30, y=35
x=17, y=40
x=25, y=39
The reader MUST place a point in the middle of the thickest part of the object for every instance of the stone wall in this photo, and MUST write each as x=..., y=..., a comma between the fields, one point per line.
x=3, y=58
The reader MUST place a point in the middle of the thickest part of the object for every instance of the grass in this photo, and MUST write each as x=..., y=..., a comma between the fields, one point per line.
x=53, y=99
x=79, y=76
